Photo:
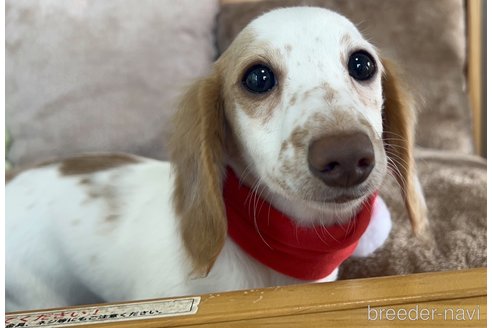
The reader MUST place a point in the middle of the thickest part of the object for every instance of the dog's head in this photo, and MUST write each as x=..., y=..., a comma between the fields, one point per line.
x=303, y=108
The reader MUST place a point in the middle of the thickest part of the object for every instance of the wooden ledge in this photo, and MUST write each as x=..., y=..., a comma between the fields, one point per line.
x=452, y=298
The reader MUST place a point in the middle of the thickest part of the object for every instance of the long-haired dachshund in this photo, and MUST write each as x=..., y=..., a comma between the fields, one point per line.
x=276, y=161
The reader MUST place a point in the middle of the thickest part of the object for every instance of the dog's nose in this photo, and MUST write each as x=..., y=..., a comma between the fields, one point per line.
x=343, y=160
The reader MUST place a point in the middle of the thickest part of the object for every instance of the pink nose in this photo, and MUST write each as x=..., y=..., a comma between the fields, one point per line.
x=341, y=160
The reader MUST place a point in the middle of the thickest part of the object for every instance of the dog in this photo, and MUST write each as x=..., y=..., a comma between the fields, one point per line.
x=276, y=159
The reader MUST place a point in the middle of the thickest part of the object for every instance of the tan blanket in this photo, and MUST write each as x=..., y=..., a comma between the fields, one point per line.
x=456, y=191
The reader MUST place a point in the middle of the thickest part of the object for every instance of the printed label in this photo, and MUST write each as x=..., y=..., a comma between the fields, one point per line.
x=104, y=313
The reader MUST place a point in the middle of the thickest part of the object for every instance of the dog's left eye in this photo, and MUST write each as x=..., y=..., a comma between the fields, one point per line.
x=361, y=65
x=259, y=79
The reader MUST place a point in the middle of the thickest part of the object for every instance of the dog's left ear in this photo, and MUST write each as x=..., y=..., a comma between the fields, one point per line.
x=398, y=125
x=196, y=151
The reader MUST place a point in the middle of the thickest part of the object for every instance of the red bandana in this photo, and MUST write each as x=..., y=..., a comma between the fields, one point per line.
x=274, y=239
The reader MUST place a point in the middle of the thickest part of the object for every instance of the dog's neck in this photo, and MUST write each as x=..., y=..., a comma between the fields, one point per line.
x=277, y=241
x=303, y=212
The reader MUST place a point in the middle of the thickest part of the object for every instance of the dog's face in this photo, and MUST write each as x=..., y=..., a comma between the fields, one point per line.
x=305, y=111
x=303, y=94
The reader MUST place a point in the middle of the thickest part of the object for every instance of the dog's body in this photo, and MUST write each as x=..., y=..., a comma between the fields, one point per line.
x=120, y=227
x=114, y=238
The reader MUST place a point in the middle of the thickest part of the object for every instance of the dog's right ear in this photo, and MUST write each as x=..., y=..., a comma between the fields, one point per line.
x=399, y=125
x=196, y=151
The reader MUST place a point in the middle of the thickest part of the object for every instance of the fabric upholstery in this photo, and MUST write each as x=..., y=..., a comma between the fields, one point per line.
x=89, y=75
x=455, y=187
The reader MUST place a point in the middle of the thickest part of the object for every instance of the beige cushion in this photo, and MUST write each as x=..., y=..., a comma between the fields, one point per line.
x=427, y=39
x=90, y=75
x=455, y=187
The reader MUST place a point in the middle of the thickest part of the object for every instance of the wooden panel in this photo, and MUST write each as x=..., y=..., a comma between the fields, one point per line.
x=445, y=313
x=476, y=69
x=343, y=302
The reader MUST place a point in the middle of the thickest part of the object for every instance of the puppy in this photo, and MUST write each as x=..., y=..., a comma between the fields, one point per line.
x=277, y=157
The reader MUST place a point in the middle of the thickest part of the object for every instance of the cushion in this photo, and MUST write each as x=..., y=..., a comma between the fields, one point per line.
x=427, y=40
x=455, y=188
x=100, y=75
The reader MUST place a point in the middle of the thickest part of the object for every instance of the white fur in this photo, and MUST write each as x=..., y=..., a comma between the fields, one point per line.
x=309, y=64
x=377, y=231
x=115, y=236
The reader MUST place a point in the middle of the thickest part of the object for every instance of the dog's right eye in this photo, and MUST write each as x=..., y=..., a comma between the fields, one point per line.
x=259, y=79
x=361, y=65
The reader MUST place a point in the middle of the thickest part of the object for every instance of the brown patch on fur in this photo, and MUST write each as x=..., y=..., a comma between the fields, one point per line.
x=85, y=181
x=94, y=163
x=112, y=218
x=298, y=136
x=329, y=92
x=94, y=194
x=320, y=124
x=284, y=146
x=306, y=94
x=244, y=53
x=342, y=121
x=280, y=182
x=78, y=165
x=293, y=99
x=292, y=167
x=199, y=168
x=399, y=122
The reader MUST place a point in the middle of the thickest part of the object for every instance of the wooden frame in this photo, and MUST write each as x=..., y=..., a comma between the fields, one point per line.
x=441, y=299
x=476, y=71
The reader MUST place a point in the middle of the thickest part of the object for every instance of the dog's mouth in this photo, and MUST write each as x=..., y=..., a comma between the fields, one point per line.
x=326, y=197
x=347, y=198
x=341, y=196
x=310, y=202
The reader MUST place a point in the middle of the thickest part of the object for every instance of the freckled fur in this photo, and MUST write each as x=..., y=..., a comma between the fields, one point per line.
x=85, y=181
x=330, y=94
x=298, y=138
x=293, y=100
x=111, y=218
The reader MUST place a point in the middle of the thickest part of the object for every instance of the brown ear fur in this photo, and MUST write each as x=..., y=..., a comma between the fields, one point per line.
x=196, y=150
x=399, y=123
